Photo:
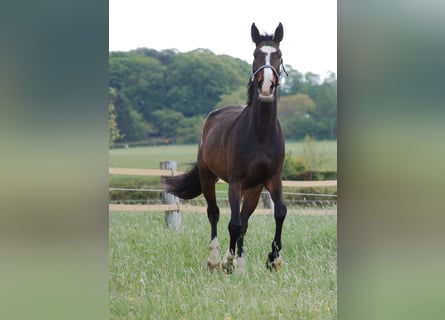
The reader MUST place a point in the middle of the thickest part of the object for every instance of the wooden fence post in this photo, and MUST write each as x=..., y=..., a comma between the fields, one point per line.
x=172, y=218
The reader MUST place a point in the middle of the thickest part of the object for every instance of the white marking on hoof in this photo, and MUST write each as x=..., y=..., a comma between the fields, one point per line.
x=227, y=262
x=214, y=260
x=240, y=265
x=276, y=264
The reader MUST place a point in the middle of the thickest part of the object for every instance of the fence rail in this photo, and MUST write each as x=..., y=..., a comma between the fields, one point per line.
x=177, y=207
x=197, y=209
x=160, y=172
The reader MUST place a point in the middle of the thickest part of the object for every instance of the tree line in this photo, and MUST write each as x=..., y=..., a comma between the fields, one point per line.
x=165, y=96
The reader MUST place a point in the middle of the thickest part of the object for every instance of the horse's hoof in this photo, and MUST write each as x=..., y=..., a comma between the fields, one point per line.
x=240, y=265
x=214, y=261
x=275, y=264
x=227, y=263
x=212, y=266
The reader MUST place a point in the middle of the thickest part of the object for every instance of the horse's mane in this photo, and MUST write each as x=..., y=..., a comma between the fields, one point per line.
x=250, y=92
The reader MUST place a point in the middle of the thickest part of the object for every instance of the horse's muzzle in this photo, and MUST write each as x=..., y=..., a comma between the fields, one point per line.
x=267, y=84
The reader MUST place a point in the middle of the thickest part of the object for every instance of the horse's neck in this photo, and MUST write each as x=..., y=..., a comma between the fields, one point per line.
x=264, y=118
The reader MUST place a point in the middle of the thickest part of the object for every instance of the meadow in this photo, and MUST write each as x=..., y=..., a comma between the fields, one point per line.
x=157, y=273
x=150, y=157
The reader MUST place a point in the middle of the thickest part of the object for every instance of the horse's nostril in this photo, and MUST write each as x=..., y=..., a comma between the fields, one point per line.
x=272, y=86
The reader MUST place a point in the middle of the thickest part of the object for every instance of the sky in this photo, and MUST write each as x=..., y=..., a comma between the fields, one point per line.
x=310, y=28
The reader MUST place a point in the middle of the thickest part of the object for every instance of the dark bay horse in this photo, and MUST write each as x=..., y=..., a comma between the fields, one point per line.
x=244, y=146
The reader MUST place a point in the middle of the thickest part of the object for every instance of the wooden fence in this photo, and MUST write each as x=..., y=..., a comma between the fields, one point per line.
x=176, y=207
x=160, y=172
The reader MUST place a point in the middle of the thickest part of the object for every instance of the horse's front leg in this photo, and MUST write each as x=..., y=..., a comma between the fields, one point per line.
x=234, y=226
x=250, y=201
x=274, y=260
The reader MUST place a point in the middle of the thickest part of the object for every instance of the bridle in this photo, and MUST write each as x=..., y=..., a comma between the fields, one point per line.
x=276, y=73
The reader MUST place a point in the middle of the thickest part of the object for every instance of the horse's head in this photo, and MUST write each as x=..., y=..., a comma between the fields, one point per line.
x=266, y=63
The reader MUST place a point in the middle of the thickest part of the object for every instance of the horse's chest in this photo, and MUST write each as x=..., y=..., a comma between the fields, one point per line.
x=254, y=163
x=262, y=163
x=262, y=167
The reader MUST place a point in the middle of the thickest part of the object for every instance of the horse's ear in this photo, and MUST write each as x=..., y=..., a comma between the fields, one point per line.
x=278, y=36
x=255, y=33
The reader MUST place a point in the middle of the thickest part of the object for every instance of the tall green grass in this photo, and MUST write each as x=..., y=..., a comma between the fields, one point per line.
x=156, y=273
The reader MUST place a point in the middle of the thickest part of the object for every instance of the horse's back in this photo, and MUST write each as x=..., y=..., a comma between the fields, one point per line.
x=219, y=121
x=224, y=114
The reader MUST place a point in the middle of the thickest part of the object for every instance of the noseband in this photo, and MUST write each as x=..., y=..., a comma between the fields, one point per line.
x=276, y=73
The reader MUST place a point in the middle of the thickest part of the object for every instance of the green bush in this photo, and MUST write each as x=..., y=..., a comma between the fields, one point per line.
x=293, y=167
x=297, y=168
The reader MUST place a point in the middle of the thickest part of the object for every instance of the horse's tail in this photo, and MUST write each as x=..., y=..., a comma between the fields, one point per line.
x=185, y=186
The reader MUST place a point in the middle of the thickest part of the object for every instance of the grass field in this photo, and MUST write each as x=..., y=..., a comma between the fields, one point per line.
x=150, y=157
x=156, y=273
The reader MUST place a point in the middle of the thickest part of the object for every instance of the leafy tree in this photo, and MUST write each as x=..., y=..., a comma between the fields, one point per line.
x=114, y=133
x=140, y=81
x=292, y=83
x=197, y=79
x=298, y=127
x=139, y=129
x=296, y=105
x=320, y=121
x=311, y=83
x=294, y=112
x=325, y=114
x=190, y=130
x=237, y=97
x=167, y=122
x=166, y=93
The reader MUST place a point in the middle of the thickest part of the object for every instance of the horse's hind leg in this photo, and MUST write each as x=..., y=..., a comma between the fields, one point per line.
x=214, y=260
x=208, y=188
x=275, y=188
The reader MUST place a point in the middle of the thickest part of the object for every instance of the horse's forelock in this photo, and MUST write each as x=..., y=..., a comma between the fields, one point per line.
x=265, y=38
